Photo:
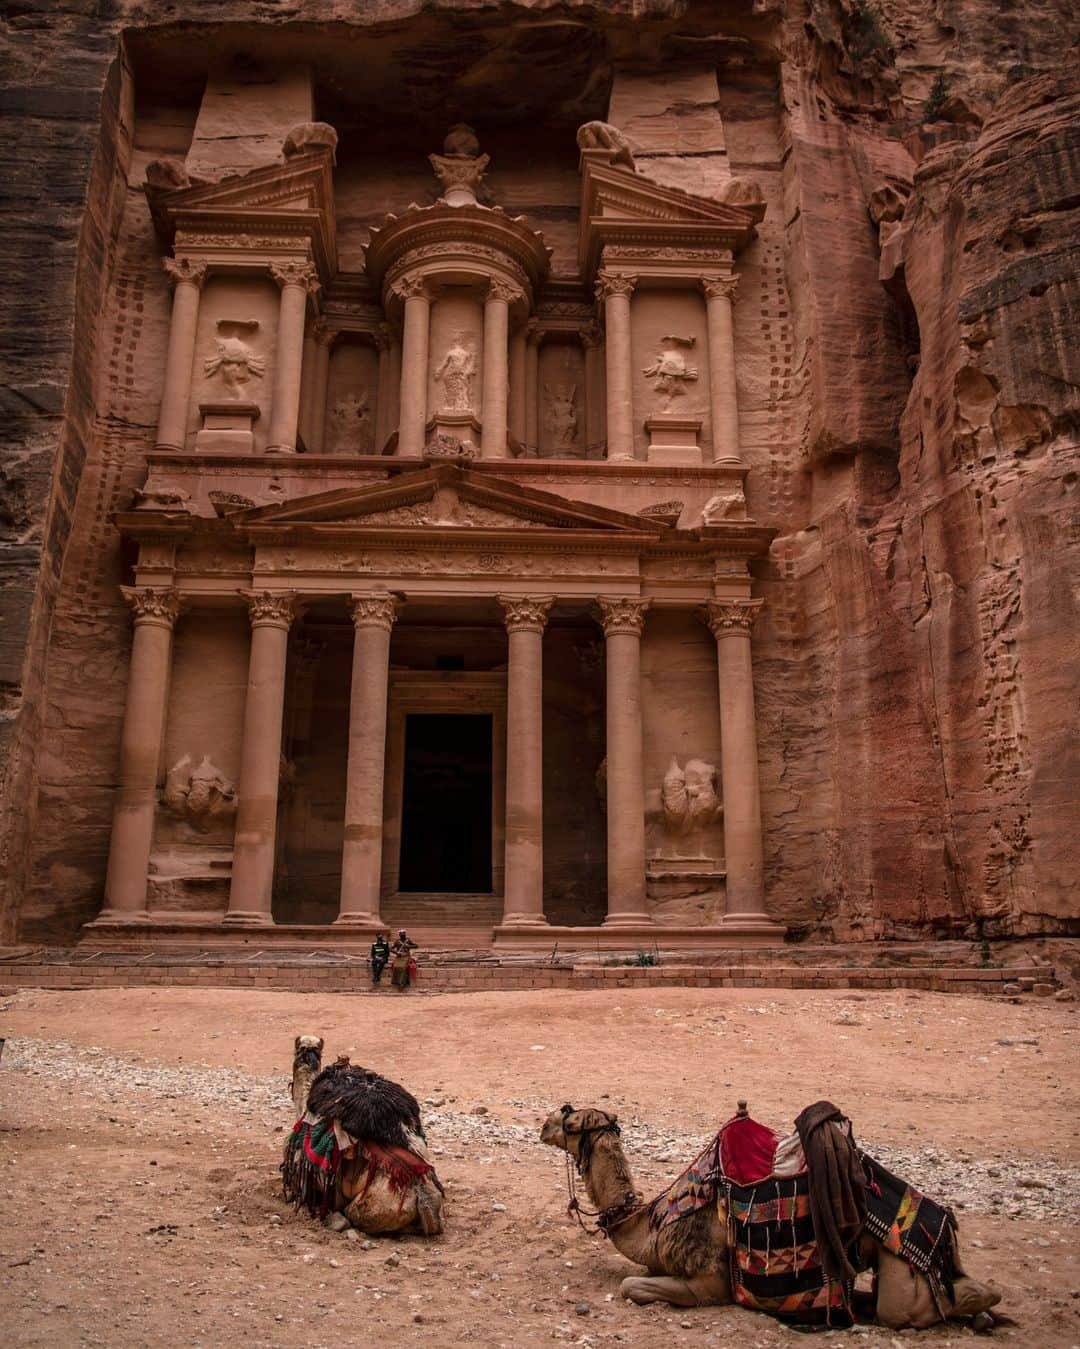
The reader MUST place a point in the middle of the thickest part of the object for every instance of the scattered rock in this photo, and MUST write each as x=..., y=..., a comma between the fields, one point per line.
x=582, y=1308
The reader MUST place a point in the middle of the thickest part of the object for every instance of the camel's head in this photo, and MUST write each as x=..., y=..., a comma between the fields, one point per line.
x=566, y=1127
x=307, y=1052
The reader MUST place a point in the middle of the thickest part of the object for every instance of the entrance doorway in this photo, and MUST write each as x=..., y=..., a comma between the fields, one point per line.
x=446, y=804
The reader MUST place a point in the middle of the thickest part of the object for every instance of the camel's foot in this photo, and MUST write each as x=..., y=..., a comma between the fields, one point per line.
x=699, y=1292
x=429, y=1215
x=971, y=1297
x=983, y=1323
x=337, y=1222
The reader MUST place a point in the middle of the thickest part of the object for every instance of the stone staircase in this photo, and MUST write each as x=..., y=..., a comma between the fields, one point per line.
x=438, y=921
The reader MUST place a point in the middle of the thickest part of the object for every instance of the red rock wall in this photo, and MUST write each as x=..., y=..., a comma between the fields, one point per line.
x=909, y=399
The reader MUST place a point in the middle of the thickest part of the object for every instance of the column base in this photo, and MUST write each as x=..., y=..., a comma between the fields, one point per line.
x=524, y=920
x=248, y=918
x=628, y=920
x=358, y=920
x=754, y=927
x=119, y=917
x=280, y=449
x=621, y=459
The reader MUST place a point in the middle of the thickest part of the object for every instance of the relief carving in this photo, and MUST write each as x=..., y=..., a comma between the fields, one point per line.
x=689, y=796
x=729, y=503
x=456, y=373
x=526, y=613
x=225, y=503
x=561, y=417
x=669, y=372
x=604, y=136
x=200, y=794
x=663, y=512
x=234, y=360
x=351, y=426
x=622, y=615
x=460, y=168
x=160, y=499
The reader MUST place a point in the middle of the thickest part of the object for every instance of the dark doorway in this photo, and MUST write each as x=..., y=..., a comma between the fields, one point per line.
x=446, y=806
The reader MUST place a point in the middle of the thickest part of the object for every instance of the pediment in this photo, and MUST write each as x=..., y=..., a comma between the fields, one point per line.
x=295, y=195
x=441, y=498
x=620, y=205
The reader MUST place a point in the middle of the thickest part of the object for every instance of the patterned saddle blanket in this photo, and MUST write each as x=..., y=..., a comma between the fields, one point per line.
x=775, y=1260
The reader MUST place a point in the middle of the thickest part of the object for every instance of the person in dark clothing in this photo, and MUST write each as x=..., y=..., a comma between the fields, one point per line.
x=380, y=954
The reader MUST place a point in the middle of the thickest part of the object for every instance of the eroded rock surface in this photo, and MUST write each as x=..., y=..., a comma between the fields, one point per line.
x=907, y=380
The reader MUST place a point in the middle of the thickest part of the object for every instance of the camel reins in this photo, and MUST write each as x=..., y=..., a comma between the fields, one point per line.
x=607, y=1219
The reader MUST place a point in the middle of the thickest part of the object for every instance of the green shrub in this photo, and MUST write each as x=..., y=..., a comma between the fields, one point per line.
x=935, y=101
x=867, y=35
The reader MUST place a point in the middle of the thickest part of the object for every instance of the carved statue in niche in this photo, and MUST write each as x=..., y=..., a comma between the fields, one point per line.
x=350, y=423
x=562, y=418
x=669, y=372
x=456, y=373
x=234, y=360
x=200, y=794
x=689, y=796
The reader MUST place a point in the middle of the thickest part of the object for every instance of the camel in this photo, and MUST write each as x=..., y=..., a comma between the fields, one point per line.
x=375, y=1171
x=688, y=1259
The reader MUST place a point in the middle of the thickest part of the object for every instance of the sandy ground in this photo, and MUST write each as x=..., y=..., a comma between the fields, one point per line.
x=141, y=1132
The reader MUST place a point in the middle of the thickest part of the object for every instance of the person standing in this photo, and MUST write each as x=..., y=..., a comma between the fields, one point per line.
x=380, y=955
x=403, y=970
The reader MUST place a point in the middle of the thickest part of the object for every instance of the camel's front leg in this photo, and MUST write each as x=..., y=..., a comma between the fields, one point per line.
x=704, y=1290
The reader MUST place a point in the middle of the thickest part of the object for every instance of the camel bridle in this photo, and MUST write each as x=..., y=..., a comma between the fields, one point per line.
x=615, y=1214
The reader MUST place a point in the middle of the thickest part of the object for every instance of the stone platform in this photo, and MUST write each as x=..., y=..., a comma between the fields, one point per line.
x=952, y=967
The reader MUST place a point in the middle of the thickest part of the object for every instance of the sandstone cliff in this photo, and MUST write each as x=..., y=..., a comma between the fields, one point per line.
x=910, y=408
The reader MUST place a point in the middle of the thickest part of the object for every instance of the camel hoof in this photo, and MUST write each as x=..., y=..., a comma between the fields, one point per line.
x=337, y=1222
x=983, y=1324
x=971, y=1297
x=637, y=1291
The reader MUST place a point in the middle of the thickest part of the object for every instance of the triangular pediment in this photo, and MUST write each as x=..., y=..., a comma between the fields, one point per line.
x=296, y=195
x=620, y=205
x=442, y=498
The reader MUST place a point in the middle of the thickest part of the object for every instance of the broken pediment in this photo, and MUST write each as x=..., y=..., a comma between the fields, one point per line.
x=622, y=207
x=443, y=497
x=267, y=205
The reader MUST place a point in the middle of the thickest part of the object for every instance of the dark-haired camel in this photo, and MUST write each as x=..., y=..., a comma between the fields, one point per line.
x=688, y=1259
x=379, y=1186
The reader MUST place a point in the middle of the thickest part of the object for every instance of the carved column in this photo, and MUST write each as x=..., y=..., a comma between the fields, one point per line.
x=623, y=621
x=187, y=279
x=361, y=859
x=307, y=385
x=615, y=291
x=412, y=420
x=297, y=281
x=156, y=612
x=496, y=329
x=730, y=622
x=724, y=399
x=592, y=339
x=251, y=892
x=533, y=338
x=518, y=390
x=524, y=887
x=383, y=393
x=325, y=337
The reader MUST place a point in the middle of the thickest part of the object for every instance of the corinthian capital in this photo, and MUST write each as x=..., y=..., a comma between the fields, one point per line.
x=592, y=336
x=715, y=286
x=526, y=613
x=725, y=617
x=622, y=615
x=409, y=287
x=503, y=290
x=152, y=606
x=184, y=269
x=296, y=274
x=375, y=611
x=614, y=283
x=271, y=608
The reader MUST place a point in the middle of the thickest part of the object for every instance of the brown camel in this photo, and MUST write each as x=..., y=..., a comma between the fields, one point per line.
x=688, y=1260
x=384, y=1181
